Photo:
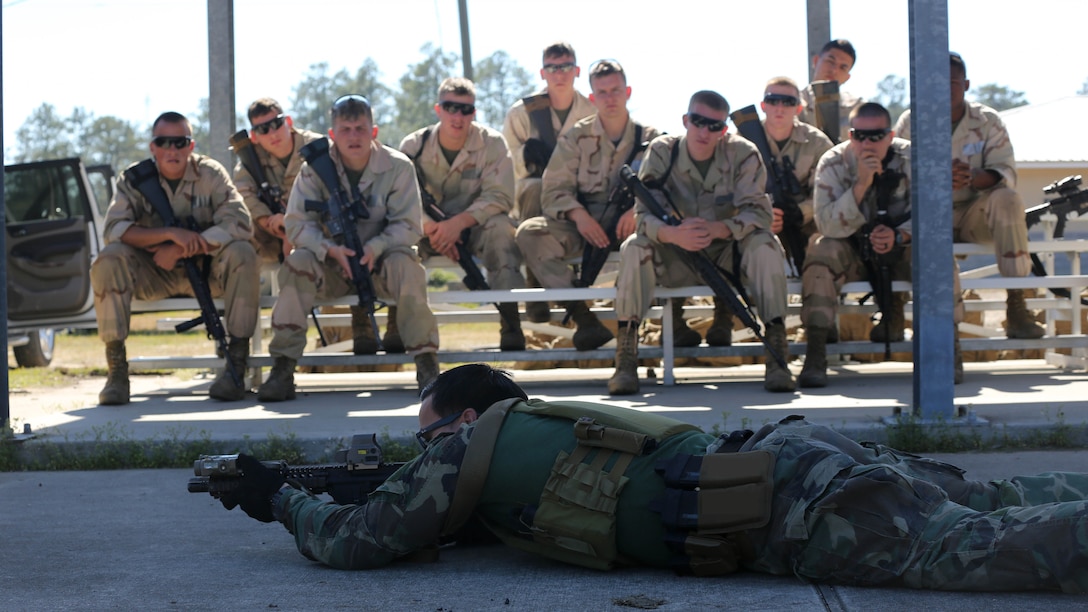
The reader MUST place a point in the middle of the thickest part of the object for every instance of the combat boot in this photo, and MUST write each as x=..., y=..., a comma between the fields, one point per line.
x=224, y=388
x=720, y=332
x=363, y=340
x=281, y=381
x=392, y=342
x=537, y=312
x=511, y=338
x=814, y=374
x=625, y=379
x=682, y=335
x=890, y=328
x=116, y=390
x=426, y=369
x=777, y=377
x=590, y=334
x=1019, y=321
x=957, y=367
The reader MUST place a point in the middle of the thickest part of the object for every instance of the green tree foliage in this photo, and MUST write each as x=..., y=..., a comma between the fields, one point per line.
x=97, y=140
x=44, y=135
x=318, y=89
x=109, y=140
x=418, y=94
x=500, y=82
x=998, y=97
x=892, y=94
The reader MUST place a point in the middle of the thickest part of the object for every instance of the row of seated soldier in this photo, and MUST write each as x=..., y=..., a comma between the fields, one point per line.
x=820, y=186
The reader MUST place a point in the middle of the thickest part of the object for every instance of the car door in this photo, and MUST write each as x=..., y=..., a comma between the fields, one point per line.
x=51, y=240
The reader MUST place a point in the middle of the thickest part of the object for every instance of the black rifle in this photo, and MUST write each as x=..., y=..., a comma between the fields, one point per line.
x=341, y=216
x=826, y=113
x=271, y=195
x=1068, y=198
x=782, y=184
x=144, y=176
x=355, y=473
x=722, y=283
x=879, y=266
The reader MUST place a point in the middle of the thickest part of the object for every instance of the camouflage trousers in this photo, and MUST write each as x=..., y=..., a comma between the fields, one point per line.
x=830, y=263
x=121, y=273
x=996, y=217
x=269, y=248
x=397, y=276
x=871, y=515
x=493, y=244
x=527, y=199
x=547, y=244
x=645, y=265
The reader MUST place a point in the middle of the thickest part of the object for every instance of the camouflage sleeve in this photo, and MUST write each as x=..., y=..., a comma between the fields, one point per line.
x=496, y=180
x=997, y=153
x=122, y=211
x=559, y=193
x=834, y=208
x=749, y=191
x=247, y=187
x=902, y=126
x=304, y=228
x=404, y=209
x=515, y=130
x=231, y=218
x=654, y=163
x=404, y=515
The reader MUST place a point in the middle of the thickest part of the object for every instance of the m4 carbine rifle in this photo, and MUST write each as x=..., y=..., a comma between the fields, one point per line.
x=1067, y=198
x=877, y=266
x=720, y=282
x=144, y=176
x=341, y=217
x=782, y=184
x=271, y=195
x=354, y=474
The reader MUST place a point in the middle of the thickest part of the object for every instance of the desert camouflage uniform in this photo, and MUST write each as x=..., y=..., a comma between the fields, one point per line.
x=585, y=166
x=481, y=181
x=122, y=272
x=832, y=260
x=516, y=129
x=389, y=190
x=805, y=146
x=731, y=192
x=847, y=103
x=276, y=172
x=841, y=512
x=995, y=215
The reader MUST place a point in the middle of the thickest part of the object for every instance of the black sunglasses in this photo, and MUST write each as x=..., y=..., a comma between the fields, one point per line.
x=699, y=121
x=870, y=135
x=780, y=100
x=165, y=142
x=421, y=435
x=457, y=107
x=271, y=125
x=564, y=67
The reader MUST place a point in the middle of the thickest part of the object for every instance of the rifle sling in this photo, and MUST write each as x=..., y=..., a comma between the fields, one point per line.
x=539, y=108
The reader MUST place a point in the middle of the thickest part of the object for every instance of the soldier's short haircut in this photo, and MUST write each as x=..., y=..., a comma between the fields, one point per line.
x=842, y=45
x=475, y=385
x=871, y=109
x=709, y=98
x=172, y=117
x=351, y=106
x=605, y=67
x=263, y=106
x=784, y=81
x=458, y=86
x=559, y=49
x=956, y=62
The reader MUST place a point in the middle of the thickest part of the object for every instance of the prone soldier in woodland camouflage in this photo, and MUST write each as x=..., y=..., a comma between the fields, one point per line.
x=985, y=206
x=142, y=257
x=383, y=181
x=579, y=184
x=793, y=498
x=467, y=173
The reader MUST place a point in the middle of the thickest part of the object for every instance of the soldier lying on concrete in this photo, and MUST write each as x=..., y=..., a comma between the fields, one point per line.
x=599, y=486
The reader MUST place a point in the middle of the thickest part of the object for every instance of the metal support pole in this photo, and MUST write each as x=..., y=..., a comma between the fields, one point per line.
x=819, y=30
x=221, y=80
x=5, y=408
x=466, y=44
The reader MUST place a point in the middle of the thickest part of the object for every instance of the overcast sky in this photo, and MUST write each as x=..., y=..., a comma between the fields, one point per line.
x=136, y=58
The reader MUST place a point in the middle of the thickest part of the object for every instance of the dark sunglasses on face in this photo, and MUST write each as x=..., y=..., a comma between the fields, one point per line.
x=165, y=142
x=780, y=100
x=271, y=125
x=457, y=107
x=421, y=435
x=699, y=121
x=870, y=135
x=553, y=68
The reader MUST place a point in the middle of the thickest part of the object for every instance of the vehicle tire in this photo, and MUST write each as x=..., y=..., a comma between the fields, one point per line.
x=38, y=351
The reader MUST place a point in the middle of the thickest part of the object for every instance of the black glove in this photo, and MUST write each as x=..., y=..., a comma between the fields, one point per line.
x=256, y=485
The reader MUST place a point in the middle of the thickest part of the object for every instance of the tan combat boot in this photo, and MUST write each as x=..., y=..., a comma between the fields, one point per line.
x=392, y=342
x=814, y=374
x=116, y=391
x=682, y=335
x=511, y=338
x=720, y=332
x=426, y=369
x=590, y=334
x=224, y=388
x=1019, y=321
x=777, y=378
x=625, y=379
x=363, y=340
x=281, y=381
x=890, y=328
